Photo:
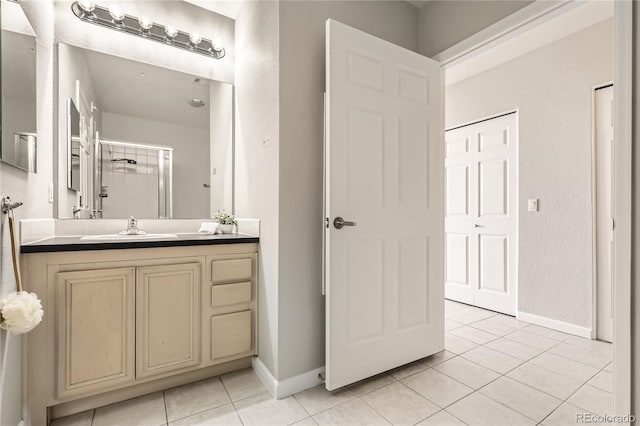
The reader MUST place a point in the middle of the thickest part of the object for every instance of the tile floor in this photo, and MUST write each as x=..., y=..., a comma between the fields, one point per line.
x=495, y=370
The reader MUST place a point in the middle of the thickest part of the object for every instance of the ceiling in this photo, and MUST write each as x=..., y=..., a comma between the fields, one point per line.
x=127, y=87
x=581, y=15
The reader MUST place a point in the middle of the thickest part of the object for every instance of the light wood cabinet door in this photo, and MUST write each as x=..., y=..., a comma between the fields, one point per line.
x=96, y=330
x=167, y=318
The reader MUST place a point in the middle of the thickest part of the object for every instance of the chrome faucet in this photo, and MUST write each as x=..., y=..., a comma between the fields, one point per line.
x=75, y=211
x=132, y=228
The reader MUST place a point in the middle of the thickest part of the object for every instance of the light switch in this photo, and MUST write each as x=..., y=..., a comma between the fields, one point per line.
x=533, y=205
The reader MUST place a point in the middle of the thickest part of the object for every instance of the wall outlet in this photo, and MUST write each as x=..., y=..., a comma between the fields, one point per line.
x=533, y=205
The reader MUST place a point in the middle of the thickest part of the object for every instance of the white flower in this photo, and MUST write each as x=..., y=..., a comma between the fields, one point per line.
x=21, y=312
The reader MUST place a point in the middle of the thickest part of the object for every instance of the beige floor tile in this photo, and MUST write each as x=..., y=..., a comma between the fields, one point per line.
x=473, y=335
x=603, y=380
x=494, y=325
x=469, y=315
x=467, y=372
x=594, y=400
x=589, y=343
x=400, y=405
x=318, y=398
x=371, y=384
x=565, y=366
x=515, y=349
x=437, y=387
x=442, y=418
x=451, y=325
x=532, y=339
x=450, y=306
x=547, y=332
x=595, y=356
x=194, y=398
x=242, y=384
x=545, y=380
x=305, y=422
x=493, y=360
x=354, y=412
x=457, y=345
x=510, y=321
x=525, y=400
x=220, y=416
x=565, y=415
x=478, y=409
x=264, y=409
x=146, y=410
x=81, y=419
x=420, y=365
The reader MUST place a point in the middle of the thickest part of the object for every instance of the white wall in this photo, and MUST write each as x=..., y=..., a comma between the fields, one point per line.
x=190, y=161
x=302, y=81
x=443, y=23
x=257, y=148
x=31, y=189
x=551, y=88
x=635, y=220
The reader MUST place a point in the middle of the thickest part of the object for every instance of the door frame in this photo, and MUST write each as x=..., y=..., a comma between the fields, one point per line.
x=531, y=16
x=515, y=111
x=594, y=199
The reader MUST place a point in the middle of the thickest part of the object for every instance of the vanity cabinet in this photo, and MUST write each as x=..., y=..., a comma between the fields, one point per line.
x=95, y=330
x=167, y=318
x=127, y=322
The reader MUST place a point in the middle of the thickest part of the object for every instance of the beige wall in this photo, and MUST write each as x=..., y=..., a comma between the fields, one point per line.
x=302, y=54
x=444, y=23
x=551, y=88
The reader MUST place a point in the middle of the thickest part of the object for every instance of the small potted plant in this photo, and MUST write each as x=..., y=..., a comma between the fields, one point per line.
x=226, y=220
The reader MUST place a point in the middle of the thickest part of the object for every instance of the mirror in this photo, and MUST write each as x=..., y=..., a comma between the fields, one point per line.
x=142, y=140
x=18, y=104
x=73, y=144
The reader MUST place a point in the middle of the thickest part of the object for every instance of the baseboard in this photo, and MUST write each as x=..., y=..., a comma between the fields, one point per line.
x=557, y=325
x=283, y=388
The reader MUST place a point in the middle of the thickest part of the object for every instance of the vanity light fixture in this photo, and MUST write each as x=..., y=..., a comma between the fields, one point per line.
x=113, y=17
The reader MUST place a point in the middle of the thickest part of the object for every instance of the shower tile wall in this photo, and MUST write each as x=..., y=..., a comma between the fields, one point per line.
x=132, y=188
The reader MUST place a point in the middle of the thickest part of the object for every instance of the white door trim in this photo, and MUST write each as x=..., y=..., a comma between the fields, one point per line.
x=623, y=54
x=594, y=283
x=536, y=14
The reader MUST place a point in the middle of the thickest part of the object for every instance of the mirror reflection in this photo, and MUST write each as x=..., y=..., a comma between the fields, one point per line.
x=18, y=49
x=150, y=142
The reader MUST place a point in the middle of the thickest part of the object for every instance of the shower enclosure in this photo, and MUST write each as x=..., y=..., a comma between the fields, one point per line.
x=133, y=179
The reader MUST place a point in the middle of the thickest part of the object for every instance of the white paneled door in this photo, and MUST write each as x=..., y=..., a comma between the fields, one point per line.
x=384, y=230
x=481, y=213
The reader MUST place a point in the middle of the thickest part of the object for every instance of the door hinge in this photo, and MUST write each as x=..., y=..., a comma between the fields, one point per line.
x=613, y=224
x=326, y=223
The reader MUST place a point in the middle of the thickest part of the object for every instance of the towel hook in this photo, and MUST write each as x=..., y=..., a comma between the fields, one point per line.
x=6, y=205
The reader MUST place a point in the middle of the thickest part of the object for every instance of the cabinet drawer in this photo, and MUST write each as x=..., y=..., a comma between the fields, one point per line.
x=230, y=294
x=231, y=334
x=231, y=270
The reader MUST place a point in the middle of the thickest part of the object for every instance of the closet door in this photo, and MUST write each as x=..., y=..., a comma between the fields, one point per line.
x=481, y=223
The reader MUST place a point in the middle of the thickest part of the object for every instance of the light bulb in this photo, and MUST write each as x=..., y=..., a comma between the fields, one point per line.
x=195, y=39
x=217, y=45
x=116, y=13
x=145, y=23
x=170, y=31
x=87, y=5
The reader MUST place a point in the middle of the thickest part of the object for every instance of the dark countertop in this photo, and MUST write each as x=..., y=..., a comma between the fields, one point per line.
x=56, y=244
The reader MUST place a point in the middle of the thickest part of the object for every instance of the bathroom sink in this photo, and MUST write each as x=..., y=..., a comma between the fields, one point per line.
x=118, y=237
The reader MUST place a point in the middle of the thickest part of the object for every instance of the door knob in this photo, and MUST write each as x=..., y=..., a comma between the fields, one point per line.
x=340, y=223
x=476, y=226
